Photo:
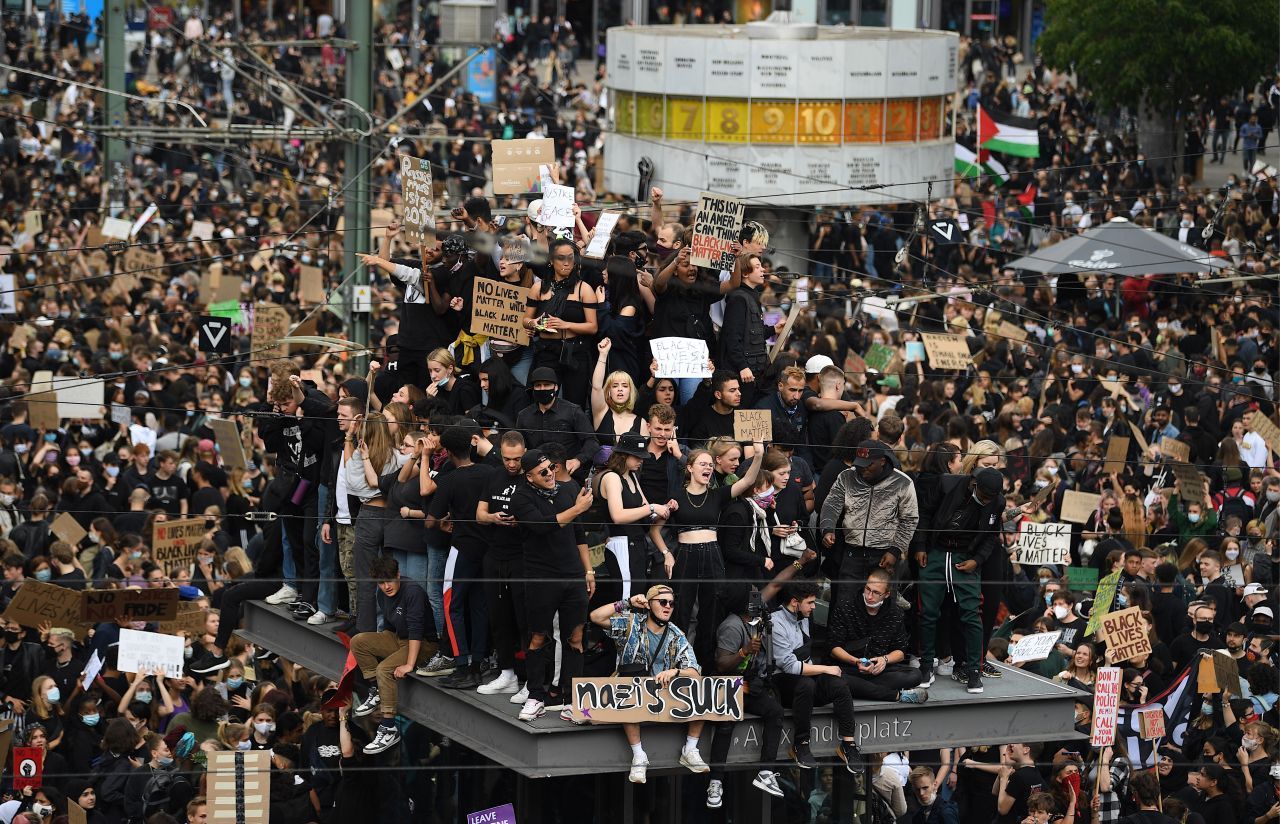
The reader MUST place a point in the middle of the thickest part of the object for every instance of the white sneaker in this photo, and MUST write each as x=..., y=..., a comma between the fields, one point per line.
x=767, y=781
x=317, y=619
x=371, y=702
x=385, y=738
x=521, y=696
x=715, y=795
x=501, y=684
x=639, y=769
x=693, y=760
x=946, y=667
x=533, y=708
x=284, y=595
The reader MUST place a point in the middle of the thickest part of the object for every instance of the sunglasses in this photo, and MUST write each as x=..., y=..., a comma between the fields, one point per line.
x=545, y=471
x=664, y=602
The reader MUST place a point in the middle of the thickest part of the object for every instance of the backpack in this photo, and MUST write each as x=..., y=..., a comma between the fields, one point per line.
x=1234, y=503
x=156, y=793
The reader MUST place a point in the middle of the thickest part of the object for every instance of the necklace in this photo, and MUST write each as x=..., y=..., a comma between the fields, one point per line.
x=689, y=494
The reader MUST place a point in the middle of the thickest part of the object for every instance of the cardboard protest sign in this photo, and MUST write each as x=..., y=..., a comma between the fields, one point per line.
x=1266, y=430
x=785, y=334
x=32, y=222
x=270, y=324
x=227, y=435
x=1102, y=602
x=76, y=813
x=36, y=603
x=311, y=284
x=68, y=529
x=622, y=700
x=1082, y=578
x=1117, y=450
x=1190, y=483
x=1043, y=494
x=1034, y=647
x=557, y=206
x=601, y=235
x=191, y=619
x=881, y=358
x=1041, y=544
x=28, y=767
x=1175, y=449
x=1077, y=507
x=174, y=542
x=506, y=814
x=419, y=200
x=1217, y=671
x=1125, y=634
x=144, y=262
x=239, y=787
x=151, y=605
x=1151, y=723
x=79, y=397
x=1011, y=331
x=1106, y=701
x=947, y=351
x=681, y=357
x=497, y=309
x=516, y=164
x=716, y=227
x=855, y=368
x=145, y=652
x=6, y=740
x=752, y=425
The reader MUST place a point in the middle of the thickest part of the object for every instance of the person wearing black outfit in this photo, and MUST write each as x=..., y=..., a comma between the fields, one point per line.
x=1203, y=635
x=504, y=565
x=555, y=420
x=715, y=419
x=630, y=514
x=682, y=308
x=869, y=641
x=557, y=562
x=20, y=662
x=561, y=317
x=743, y=348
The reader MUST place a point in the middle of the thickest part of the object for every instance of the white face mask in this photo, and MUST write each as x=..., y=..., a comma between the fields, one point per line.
x=1077, y=368
x=1175, y=388
x=1250, y=744
x=1232, y=554
x=1061, y=612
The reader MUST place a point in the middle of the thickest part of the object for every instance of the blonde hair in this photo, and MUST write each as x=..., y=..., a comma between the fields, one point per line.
x=443, y=357
x=230, y=733
x=720, y=446
x=377, y=438
x=981, y=449
x=629, y=405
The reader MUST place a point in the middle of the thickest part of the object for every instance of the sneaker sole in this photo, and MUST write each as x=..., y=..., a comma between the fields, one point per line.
x=358, y=714
x=973, y=690
x=483, y=689
x=717, y=805
x=434, y=673
x=635, y=780
x=381, y=749
x=696, y=769
x=208, y=670
x=765, y=788
x=528, y=718
x=513, y=700
x=800, y=763
x=928, y=682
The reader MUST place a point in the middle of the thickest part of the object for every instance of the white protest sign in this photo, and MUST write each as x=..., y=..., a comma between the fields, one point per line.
x=116, y=228
x=1106, y=701
x=603, y=234
x=1034, y=647
x=91, y=671
x=145, y=651
x=202, y=230
x=1040, y=544
x=8, y=295
x=715, y=229
x=681, y=357
x=557, y=206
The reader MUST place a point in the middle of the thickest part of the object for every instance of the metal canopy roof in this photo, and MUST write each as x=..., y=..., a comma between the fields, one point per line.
x=1016, y=707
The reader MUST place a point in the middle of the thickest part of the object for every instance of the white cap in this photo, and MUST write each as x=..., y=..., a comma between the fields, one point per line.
x=1255, y=589
x=1264, y=611
x=817, y=363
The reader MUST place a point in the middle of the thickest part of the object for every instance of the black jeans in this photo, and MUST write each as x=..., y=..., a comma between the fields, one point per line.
x=758, y=701
x=231, y=606
x=697, y=578
x=804, y=692
x=504, y=586
x=882, y=687
x=568, y=599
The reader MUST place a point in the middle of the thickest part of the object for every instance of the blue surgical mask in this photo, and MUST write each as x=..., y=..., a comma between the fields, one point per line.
x=244, y=745
x=1206, y=708
x=116, y=355
x=54, y=695
x=246, y=382
x=144, y=697
x=44, y=574
x=165, y=761
x=1122, y=600
x=113, y=471
x=135, y=555
x=1048, y=598
x=50, y=437
x=91, y=720
x=442, y=383
x=235, y=683
x=1193, y=517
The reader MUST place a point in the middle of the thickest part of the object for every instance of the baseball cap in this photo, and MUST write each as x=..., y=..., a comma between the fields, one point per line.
x=530, y=460
x=868, y=451
x=1264, y=611
x=817, y=363
x=656, y=590
x=1255, y=589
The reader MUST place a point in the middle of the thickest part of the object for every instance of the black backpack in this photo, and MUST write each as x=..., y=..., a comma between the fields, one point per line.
x=1235, y=504
x=156, y=794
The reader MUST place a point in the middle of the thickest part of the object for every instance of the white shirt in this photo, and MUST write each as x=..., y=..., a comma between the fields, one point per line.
x=1253, y=450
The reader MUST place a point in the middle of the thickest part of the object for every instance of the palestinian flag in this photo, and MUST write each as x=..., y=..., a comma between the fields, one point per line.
x=967, y=163
x=994, y=168
x=1002, y=132
x=1027, y=200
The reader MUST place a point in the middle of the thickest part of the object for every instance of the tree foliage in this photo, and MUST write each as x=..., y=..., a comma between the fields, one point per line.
x=1161, y=53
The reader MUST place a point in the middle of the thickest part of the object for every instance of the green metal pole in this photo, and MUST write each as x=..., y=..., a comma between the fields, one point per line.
x=356, y=199
x=114, y=61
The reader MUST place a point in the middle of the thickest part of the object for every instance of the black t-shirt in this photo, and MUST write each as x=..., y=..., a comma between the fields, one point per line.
x=458, y=494
x=166, y=493
x=700, y=511
x=549, y=548
x=504, y=541
x=655, y=477
x=1024, y=782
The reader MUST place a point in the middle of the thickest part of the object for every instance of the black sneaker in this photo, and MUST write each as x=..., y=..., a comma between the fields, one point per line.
x=989, y=670
x=801, y=755
x=209, y=663
x=848, y=752
x=302, y=610
x=463, y=678
x=926, y=674
x=974, y=682
x=960, y=674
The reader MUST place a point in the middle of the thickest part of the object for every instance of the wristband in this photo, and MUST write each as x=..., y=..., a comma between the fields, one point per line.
x=619, y=606
x=797, y=565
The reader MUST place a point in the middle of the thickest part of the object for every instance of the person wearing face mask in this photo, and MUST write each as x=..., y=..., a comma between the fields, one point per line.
x=449, y=390
x=263, y=726
x=145, y=794
x=869, y=641
x=555, y=420
x=1202, y=635
x=20, y=662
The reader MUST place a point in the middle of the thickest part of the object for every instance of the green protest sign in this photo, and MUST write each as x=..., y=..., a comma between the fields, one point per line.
x=1102, y=602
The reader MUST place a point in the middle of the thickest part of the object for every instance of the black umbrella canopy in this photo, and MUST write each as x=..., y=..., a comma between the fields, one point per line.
x=1122, y=248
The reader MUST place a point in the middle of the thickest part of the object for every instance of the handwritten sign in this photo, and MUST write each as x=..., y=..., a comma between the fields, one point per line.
x=1117, y=451
x=202, y=230
x=752, y=425
x=227, y=435
x=947, y=351
x=191, y=620
x=1102, y=602
x=419, y=199
x=1106, y=701
x=36, y=603
x=681, y=357
x=880, y=358
x=635, y=700
x=506, y=814
x=1034, y=647
x=151, y=605
x=239, y=787
x=1266, y=430
x=144, y=262
x=270, y=324
x=1190, y=483
x=1041, y=544
x=557, y=206
x=1077, y=507
x=144, y=652
x=116, y=228
x=68, y=529
x=32, y=222
x=1125, y=634
x=1175, y=449
x=516, y=164
x=716, y=227
x=1151, y=723
x=497, y=309
x=174, y=543
x=605, y=224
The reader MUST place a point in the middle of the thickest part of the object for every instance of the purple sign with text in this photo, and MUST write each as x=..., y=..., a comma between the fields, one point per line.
x=506, y=814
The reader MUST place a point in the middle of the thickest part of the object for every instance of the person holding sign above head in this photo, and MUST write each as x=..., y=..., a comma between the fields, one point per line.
x=697, y=567
x=562, y=318
x=682, y=307
x=650, y=646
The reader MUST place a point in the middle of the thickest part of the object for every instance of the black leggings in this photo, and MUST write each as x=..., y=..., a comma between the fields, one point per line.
x=804, y=692
x=697, y=578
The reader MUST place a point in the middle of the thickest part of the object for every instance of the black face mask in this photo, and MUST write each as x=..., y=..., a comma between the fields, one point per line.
x=10, y=636
x=662, y=622
x=543, y=397
x=1204, y=627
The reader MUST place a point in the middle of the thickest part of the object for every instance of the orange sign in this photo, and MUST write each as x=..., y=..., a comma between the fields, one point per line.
x=685, y=118
x=902, y=118
x=864, y=121
x=727, y=121
x=773, y=121
x=819, y=122
x=930, y=118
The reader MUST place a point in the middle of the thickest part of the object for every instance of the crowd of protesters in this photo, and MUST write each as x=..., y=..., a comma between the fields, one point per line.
x=502, y=518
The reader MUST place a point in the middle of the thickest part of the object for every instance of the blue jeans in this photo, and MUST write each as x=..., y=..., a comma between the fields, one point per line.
x=521, y=368
x=414, y=566
x=289, y=570
x=436, y=558
x=687, y=386
x=329, y=575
